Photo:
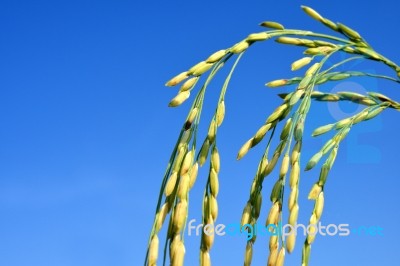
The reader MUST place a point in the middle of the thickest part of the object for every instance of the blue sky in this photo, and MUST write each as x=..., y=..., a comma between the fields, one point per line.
x=86, y=133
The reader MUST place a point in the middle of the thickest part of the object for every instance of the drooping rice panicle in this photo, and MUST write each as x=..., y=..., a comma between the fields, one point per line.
x=176, y=178
x=210, y=204
x=183, y=167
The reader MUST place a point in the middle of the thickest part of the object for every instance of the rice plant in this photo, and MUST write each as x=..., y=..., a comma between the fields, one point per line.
x=290, y=117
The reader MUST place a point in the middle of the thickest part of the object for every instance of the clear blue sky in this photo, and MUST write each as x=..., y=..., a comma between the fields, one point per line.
x=85, y=131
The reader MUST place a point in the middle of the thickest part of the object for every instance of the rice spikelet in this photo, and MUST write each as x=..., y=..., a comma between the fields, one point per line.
x=180, y=215
x=314, y=192
x=246, y=214
x=153, y=250
x=301, y=63
x=244, y=149
x=291, y=242
x=248, y=256
x=272, y=25
x=319, y=205
x=215, y=160
x=216, y=56
x=312, y=13
x=220, y=113
x=240, y=47
x=171, y=183
x=205, y=259
x=214, y=183
x=179, y=99
x=276, y=83
x=189, y=84
x=256, y=37
x=177, y=79
x=193, y=172
x=187, y=162
x=183, y=188
x=281, y=258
